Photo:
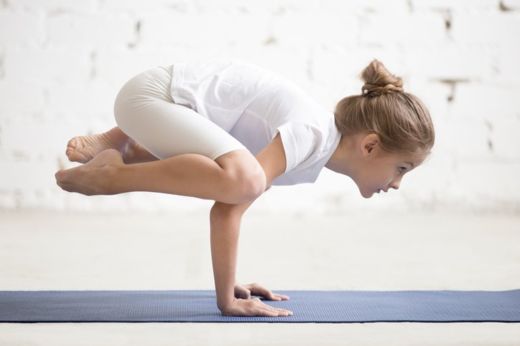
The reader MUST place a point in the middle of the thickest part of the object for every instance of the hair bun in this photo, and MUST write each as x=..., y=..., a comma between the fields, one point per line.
x=379, y=81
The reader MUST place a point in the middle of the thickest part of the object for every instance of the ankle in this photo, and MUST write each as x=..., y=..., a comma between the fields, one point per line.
x=112, y=174
x=117, y=137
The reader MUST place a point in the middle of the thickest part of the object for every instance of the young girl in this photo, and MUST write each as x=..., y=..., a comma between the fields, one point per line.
x=227, y=131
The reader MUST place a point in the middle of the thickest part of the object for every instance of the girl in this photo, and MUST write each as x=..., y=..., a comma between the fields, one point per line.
x=227, y=131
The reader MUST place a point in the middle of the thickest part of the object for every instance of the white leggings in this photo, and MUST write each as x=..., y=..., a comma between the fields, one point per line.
x=144, y=110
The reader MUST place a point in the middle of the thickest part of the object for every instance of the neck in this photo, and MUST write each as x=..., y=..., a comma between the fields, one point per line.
x=342, y=159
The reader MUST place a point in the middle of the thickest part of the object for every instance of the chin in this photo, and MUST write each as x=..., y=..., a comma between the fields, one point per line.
x=366, y=195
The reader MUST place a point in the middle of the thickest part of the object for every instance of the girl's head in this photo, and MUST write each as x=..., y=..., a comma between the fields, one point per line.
x=389, y=130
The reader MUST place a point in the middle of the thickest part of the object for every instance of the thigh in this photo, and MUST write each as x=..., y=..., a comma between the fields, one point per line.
x=145, y=111
x=166, y=129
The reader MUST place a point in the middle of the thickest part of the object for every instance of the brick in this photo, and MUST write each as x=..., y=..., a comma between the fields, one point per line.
x=485, y=28
x=451, y=60
x=275, y=7
x=433, y=95
x=507, y=68
x=170, y=28
x=486, y=120
x=94, y=30
x=139, y=7
x=341, y=7
x=47, y=66
x=343, y=65
x=82, y=100
x=338, y=29
x=26, y=176
x=382, y=6
x=22, y=138
x=20, y=97
x=504, y=138
x=117, y=65
x=53, y=6
x=376, y=28
x=510, y=5
x=464, y=138
x=485, y=101
x=21, y=28
x=463, y=6
x=290, y=62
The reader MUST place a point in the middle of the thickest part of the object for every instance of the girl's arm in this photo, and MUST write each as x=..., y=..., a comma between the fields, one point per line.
x=225, y=228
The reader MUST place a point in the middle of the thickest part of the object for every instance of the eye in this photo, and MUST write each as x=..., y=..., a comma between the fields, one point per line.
x=401, y=170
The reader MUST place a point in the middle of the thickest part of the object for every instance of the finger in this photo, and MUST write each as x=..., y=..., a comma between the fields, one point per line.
x=242, y=292
x=283, y=312
x=268, y=313
x=277, y=311
x=259, y=290
x=271, y=312
x=281, y=296
x=268, y=294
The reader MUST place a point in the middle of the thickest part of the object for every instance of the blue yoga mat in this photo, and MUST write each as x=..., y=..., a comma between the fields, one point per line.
x=308, y=306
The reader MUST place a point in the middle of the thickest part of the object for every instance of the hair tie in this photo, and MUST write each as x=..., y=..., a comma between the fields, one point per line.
x=371, y=90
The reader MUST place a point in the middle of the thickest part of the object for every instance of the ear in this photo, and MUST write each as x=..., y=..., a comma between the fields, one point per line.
x=369, y=143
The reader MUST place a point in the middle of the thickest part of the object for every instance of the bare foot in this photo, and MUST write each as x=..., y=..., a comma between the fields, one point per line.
x=84, y=148
x=93, y=178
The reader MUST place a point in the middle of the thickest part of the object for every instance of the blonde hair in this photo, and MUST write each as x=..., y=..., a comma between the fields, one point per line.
x=400, y=119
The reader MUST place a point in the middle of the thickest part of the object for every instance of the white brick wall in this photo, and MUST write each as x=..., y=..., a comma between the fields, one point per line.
x=63, y=61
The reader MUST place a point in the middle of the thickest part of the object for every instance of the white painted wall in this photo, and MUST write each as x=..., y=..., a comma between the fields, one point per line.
x=63, y=61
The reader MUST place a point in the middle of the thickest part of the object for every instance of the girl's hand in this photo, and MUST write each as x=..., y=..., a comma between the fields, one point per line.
x=245, y=292
x=253, y=307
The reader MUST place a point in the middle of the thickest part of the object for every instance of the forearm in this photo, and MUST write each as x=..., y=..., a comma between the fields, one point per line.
x=224, y=249
x=225, y=222
x=225, y=230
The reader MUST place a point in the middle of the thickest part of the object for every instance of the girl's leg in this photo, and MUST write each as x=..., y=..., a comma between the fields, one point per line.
x=84, y=148
x=233, y=178
x=197, y=158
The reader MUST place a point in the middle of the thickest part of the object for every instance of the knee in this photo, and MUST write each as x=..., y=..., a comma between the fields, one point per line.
x=254, y=184
x=246, y=184
x=128, y=101
x=122, y=106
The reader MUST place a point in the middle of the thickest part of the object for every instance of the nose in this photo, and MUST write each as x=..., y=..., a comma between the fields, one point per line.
x=395, y=183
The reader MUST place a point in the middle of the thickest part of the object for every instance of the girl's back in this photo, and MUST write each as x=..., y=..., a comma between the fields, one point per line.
x=253, y=104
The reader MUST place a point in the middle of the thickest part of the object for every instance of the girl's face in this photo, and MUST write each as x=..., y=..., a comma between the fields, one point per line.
x=383, y=171
x=372, y=169
x=375, y=170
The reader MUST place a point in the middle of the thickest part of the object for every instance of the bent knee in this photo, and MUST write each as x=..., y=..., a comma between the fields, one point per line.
x=131, y=99
x=245, y=178
x=252, y=185
x=125, y=104
x=246, y=186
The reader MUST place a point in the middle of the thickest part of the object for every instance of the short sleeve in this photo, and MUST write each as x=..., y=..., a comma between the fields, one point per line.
x=300, y=141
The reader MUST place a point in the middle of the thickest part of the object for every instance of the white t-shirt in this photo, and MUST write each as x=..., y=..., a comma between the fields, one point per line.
x=253, y=105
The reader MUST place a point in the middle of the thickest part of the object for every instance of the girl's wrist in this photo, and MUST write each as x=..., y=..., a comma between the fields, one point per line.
x=222, y=304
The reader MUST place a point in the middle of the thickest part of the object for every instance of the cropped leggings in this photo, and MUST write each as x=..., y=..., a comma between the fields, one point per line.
x=144, y=110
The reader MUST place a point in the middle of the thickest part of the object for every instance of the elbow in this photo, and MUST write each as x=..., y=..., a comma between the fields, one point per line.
x=223, y=213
